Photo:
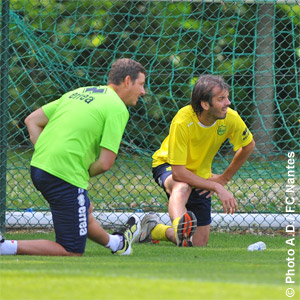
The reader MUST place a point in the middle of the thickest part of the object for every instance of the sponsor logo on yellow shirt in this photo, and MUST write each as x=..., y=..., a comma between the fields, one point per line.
x=221, y=129
x=245, y=133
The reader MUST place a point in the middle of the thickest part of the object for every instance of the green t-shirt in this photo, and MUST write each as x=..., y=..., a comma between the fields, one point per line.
x=80, y=123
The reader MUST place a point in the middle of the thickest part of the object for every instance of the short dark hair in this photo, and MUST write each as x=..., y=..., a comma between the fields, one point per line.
x=123, y=67
x=203, y=90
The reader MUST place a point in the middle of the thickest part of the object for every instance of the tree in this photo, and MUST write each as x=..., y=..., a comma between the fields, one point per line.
x=263, y=120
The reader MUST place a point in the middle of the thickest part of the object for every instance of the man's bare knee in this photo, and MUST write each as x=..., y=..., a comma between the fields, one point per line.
x=182, y=188
x=201, y=236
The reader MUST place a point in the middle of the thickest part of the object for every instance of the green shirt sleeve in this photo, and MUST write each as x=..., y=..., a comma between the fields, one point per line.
x=113, y=131
x=50, y=108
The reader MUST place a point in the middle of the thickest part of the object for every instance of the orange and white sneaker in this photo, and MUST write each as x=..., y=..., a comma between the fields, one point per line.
x=186, y=228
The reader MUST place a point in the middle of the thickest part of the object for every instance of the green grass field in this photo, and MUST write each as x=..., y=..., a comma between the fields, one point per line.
x=222, y=270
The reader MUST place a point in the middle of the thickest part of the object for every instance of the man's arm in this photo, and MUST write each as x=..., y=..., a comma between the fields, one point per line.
x=180, y=173
x=35, y=123
x=238, y=160
x=103, y=163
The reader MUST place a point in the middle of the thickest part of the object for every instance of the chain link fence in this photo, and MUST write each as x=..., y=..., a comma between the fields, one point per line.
x=50, y=47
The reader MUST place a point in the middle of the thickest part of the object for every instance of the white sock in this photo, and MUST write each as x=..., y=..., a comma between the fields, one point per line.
x=9, y=247
x=115, y=242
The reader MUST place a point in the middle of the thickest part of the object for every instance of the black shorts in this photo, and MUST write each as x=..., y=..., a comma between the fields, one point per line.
x=69, y=207
x=198, y=204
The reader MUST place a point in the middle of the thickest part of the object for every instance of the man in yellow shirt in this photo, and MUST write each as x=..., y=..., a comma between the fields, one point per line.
x=182, y=165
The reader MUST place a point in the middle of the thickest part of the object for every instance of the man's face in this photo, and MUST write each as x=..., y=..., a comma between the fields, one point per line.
x=220, y=103
x=135, y=90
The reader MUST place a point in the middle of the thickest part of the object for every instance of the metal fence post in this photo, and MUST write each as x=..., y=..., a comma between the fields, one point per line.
x=3, y=109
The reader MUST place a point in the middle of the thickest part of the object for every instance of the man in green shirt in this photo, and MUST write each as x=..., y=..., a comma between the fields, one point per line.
x=77, y=137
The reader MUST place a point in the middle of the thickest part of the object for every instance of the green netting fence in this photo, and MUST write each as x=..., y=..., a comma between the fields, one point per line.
x=49, y=47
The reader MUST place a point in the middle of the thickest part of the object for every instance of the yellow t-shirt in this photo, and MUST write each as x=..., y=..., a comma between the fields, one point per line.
x=194, y=145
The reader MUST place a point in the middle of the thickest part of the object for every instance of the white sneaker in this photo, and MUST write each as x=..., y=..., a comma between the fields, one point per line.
x=129, y=233
x=148, y=223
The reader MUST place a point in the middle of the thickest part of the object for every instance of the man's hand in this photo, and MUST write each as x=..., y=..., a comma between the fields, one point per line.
x=103, y=163
x=238, y=160
x=215, y=178
x=229, y=203
x=181, y=174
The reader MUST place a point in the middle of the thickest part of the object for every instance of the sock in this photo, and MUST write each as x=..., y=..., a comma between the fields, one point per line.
x=9, y=247
x=115, y=242
x=175, y=224
x=159, y=232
